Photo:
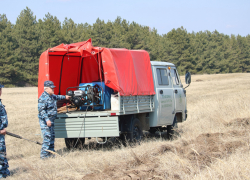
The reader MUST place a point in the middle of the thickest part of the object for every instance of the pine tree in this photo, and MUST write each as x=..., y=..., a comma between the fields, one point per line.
x=69, y=31
x=50, y=32
x=27, y=36
x=9, y=67
x=244, y=55
x=83, y=30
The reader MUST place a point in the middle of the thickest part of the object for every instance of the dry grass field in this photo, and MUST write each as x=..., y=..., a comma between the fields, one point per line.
x=213, y=142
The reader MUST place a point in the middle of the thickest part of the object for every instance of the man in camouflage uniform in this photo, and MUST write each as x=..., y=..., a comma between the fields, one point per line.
x=3, y=124
x=47, y=108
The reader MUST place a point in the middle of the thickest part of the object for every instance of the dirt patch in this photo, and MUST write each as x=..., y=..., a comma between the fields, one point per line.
x=200, y=152
x=239, y=122
x=207, y=147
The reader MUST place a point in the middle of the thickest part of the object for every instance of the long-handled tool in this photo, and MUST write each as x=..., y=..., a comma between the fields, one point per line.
x=17, y=136
x=52, y=152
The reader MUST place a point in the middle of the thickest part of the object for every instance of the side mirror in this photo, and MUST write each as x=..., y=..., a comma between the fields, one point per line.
x=188, y=78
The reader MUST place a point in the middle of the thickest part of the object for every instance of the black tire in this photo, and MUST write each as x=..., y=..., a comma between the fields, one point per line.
x=152, y=130
x=172, y=130
x=135, y=134
x=73, y=143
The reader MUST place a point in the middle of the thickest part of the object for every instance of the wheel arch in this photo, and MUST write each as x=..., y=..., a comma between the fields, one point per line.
x=179, y=117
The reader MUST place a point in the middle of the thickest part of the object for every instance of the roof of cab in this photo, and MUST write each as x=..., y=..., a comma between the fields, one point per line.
x=159, y=63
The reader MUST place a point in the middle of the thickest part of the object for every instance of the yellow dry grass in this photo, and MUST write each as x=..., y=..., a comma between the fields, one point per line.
x=214, y=141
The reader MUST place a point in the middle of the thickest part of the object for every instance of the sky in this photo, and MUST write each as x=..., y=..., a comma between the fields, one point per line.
x=225, y=16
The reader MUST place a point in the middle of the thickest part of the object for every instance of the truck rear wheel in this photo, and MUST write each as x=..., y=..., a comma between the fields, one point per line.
x=172, y=130
x=73, y=143
x=135, y=134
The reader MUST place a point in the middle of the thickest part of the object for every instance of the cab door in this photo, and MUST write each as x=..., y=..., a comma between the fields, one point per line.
x=165, y=96
x=179, y=95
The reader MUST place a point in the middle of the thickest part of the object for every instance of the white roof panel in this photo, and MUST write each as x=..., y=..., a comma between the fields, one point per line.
x=159, y=63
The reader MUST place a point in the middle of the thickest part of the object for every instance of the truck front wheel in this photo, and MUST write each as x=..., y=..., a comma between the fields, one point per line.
x=73, y=143
x=172, y=130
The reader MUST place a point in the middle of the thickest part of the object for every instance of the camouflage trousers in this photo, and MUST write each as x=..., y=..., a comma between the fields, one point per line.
x=48, y=138
x=4, y=172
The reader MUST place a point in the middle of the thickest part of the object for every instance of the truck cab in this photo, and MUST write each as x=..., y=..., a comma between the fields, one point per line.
x=170, y=98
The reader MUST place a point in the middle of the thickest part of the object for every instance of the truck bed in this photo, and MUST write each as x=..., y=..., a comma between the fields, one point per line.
x=127, y=105
x=100, y=123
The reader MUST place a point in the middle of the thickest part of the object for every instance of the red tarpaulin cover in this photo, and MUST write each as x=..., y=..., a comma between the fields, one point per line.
x=126, y=71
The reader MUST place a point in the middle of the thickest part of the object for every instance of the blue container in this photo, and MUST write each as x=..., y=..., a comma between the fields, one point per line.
x=105, y=97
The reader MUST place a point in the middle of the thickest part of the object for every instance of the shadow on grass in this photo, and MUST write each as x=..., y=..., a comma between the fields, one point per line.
x=18, y=170
x=113, y=143
x=19, y=156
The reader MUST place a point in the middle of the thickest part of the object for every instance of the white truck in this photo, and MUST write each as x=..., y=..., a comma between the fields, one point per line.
x=132, y=114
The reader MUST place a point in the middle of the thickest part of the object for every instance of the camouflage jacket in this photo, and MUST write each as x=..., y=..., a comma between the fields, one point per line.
x=47, y=107
x=3, y=117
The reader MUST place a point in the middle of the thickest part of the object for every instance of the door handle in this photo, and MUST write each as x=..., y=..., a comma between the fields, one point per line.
x=175, y=91
x=161, y=91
